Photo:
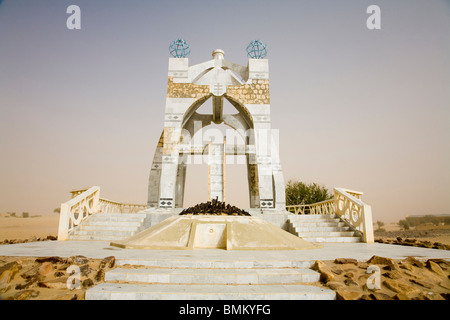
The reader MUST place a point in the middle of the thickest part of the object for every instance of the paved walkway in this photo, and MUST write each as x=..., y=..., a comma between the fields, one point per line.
x=329, y=251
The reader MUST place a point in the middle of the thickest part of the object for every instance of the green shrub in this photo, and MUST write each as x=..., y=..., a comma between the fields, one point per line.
x=298, y=193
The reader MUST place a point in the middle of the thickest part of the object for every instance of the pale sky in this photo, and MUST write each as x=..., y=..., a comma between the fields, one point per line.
x=367, y=110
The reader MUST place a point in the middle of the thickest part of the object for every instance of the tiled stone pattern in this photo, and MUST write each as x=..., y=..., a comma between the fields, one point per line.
x=186, y=90
x=255, y=93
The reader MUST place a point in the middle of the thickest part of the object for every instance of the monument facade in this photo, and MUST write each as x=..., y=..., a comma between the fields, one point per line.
x=247, y=89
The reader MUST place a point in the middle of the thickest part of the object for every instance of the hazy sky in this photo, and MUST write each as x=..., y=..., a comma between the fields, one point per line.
x=364, y=109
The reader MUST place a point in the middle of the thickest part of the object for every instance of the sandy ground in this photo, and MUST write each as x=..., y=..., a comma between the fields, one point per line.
x=25, y=228
x=423, y=233
x=441, y=239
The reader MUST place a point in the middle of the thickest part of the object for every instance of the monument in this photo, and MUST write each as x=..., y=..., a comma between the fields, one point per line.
x=345, y=218
x=247, y=89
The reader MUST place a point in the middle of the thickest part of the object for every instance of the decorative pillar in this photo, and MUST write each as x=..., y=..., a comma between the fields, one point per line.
x=216, y=171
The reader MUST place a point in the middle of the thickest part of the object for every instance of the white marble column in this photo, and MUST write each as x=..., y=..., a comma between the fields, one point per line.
x=216, y=171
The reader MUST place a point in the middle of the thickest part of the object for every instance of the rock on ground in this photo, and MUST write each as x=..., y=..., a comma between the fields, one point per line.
x=48, y=278
x=381, y=278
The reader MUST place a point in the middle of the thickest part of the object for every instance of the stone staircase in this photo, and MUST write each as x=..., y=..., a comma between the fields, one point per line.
x=321, y=228
x=138, y=279
x=109, y=226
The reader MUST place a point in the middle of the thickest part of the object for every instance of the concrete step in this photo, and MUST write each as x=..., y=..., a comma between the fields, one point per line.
x=219, y=264
x=318, y=224
x=314, y=228
x=213, y=276
x=332, y=239
x=117, y=219
x=109, y=227
x=104, y=233
x=320, y=228
x=189, y=278
x=95, y=237
x=109, y=223
x=115, y=214
x=314, y=234
x=125, y=291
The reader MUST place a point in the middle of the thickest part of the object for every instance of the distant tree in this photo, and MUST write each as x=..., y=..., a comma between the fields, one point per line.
x=404, y=224
x=380, y=224
x=298, y=193
x=57, y=210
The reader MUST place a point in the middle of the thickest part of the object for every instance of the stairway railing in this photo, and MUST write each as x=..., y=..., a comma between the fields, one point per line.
x=323, y=207
x=347, y=205
x=113, y=206
x=87, y=202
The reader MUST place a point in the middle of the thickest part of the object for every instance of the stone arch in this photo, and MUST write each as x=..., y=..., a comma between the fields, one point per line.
x=240, y=107
x=242, y=122
x=247, y=90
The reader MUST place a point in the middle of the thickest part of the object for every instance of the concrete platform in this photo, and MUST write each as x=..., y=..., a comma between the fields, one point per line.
x=209, y=276
x=189, y=232
x=329, y=251
x=112, y=291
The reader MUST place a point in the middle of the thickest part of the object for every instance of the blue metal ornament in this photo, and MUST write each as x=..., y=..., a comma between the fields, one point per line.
x=179, y=48
x=257, y=49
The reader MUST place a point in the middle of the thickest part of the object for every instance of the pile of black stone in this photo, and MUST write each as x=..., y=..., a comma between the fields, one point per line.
x=214, y=207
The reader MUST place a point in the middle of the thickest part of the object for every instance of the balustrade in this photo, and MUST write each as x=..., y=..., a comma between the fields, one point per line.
x=87, y=202
x=348, y=206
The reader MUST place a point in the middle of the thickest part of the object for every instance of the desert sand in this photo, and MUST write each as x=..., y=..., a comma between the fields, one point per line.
x=26, y=228
x=415, y=236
